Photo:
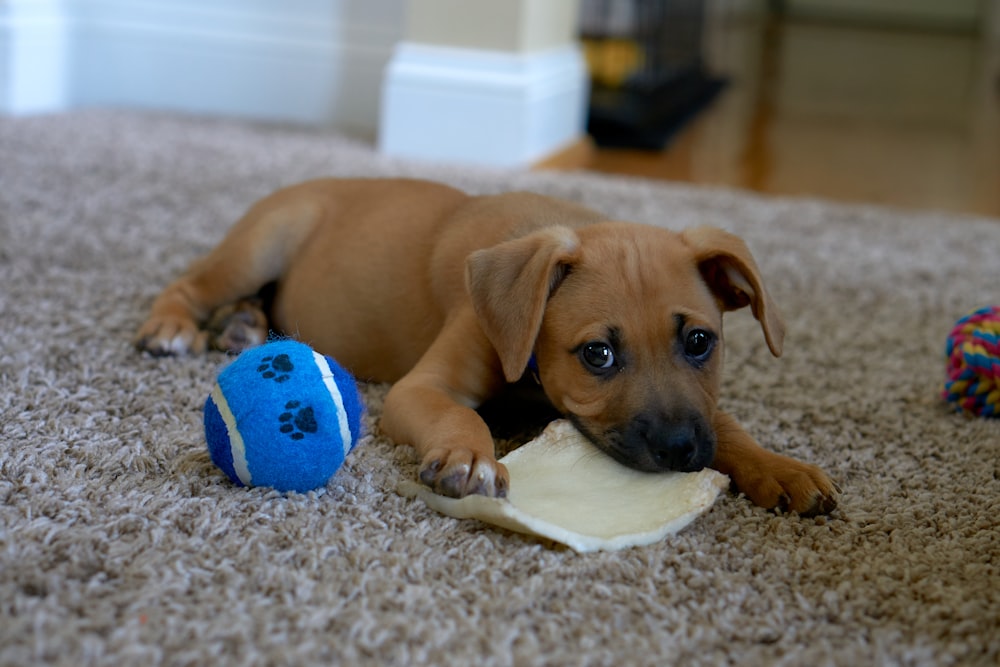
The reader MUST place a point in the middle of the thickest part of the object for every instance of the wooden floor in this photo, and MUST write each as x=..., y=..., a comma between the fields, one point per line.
x=901, y=117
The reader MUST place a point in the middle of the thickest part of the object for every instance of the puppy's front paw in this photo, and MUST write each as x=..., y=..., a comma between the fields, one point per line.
x=166, y=336
x=461, y=472
x=780, y=482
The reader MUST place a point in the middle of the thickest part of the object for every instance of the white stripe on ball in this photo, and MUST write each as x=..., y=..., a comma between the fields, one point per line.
x=331, y=385
x=236, y=445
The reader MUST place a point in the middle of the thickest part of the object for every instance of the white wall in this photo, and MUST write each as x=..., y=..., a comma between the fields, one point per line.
x=310, y=61
x=516, y=98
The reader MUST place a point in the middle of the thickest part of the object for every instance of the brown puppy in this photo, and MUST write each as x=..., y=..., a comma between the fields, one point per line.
x=452, y=297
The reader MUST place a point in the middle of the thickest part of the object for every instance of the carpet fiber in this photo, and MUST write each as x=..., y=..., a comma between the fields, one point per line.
x=121, y=544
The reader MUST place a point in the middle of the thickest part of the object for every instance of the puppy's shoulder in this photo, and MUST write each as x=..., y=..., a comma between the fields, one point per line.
x=515, y=214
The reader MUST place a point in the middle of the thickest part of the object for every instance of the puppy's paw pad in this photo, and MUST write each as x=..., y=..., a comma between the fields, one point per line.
x=237, y=327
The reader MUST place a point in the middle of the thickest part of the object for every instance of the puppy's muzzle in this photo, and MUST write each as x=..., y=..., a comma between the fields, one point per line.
x=658, y=442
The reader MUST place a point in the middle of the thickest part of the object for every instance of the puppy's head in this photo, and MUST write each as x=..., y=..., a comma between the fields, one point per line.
x=624, y=322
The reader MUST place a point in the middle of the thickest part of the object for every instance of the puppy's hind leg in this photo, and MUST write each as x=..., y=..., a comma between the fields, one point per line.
x=255, y=252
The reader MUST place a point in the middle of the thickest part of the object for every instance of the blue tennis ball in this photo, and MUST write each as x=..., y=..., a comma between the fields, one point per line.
x=284, y=416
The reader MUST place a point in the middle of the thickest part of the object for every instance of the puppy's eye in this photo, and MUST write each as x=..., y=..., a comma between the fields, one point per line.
x=698, y=344
x=597, y=356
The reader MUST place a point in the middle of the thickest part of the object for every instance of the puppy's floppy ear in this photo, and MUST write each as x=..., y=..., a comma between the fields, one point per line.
x=510, y=284
x=731, y=273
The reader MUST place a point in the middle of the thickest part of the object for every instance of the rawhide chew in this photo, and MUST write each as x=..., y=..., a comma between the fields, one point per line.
x=564, y=489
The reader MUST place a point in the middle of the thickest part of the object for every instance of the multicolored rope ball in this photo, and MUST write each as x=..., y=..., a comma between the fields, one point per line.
x=973, y=373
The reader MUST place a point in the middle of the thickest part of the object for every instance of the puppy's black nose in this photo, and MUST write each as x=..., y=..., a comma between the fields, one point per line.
x=683, y=444
x=675, y=449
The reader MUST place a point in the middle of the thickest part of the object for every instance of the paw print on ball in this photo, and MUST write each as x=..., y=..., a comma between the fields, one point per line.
x=277, y=368
x=298, y=420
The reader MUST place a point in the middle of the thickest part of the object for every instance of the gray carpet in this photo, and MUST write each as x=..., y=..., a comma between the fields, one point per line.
x=120, y=544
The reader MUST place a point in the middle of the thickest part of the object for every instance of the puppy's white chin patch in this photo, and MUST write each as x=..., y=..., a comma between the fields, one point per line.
x=562, y=488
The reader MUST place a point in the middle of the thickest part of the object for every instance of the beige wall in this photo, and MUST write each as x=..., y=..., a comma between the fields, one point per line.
x=957, y=14
x=497, y=25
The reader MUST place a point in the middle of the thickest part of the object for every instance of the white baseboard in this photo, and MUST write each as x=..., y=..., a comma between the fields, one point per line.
x=311, y=61
x=483, y=107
